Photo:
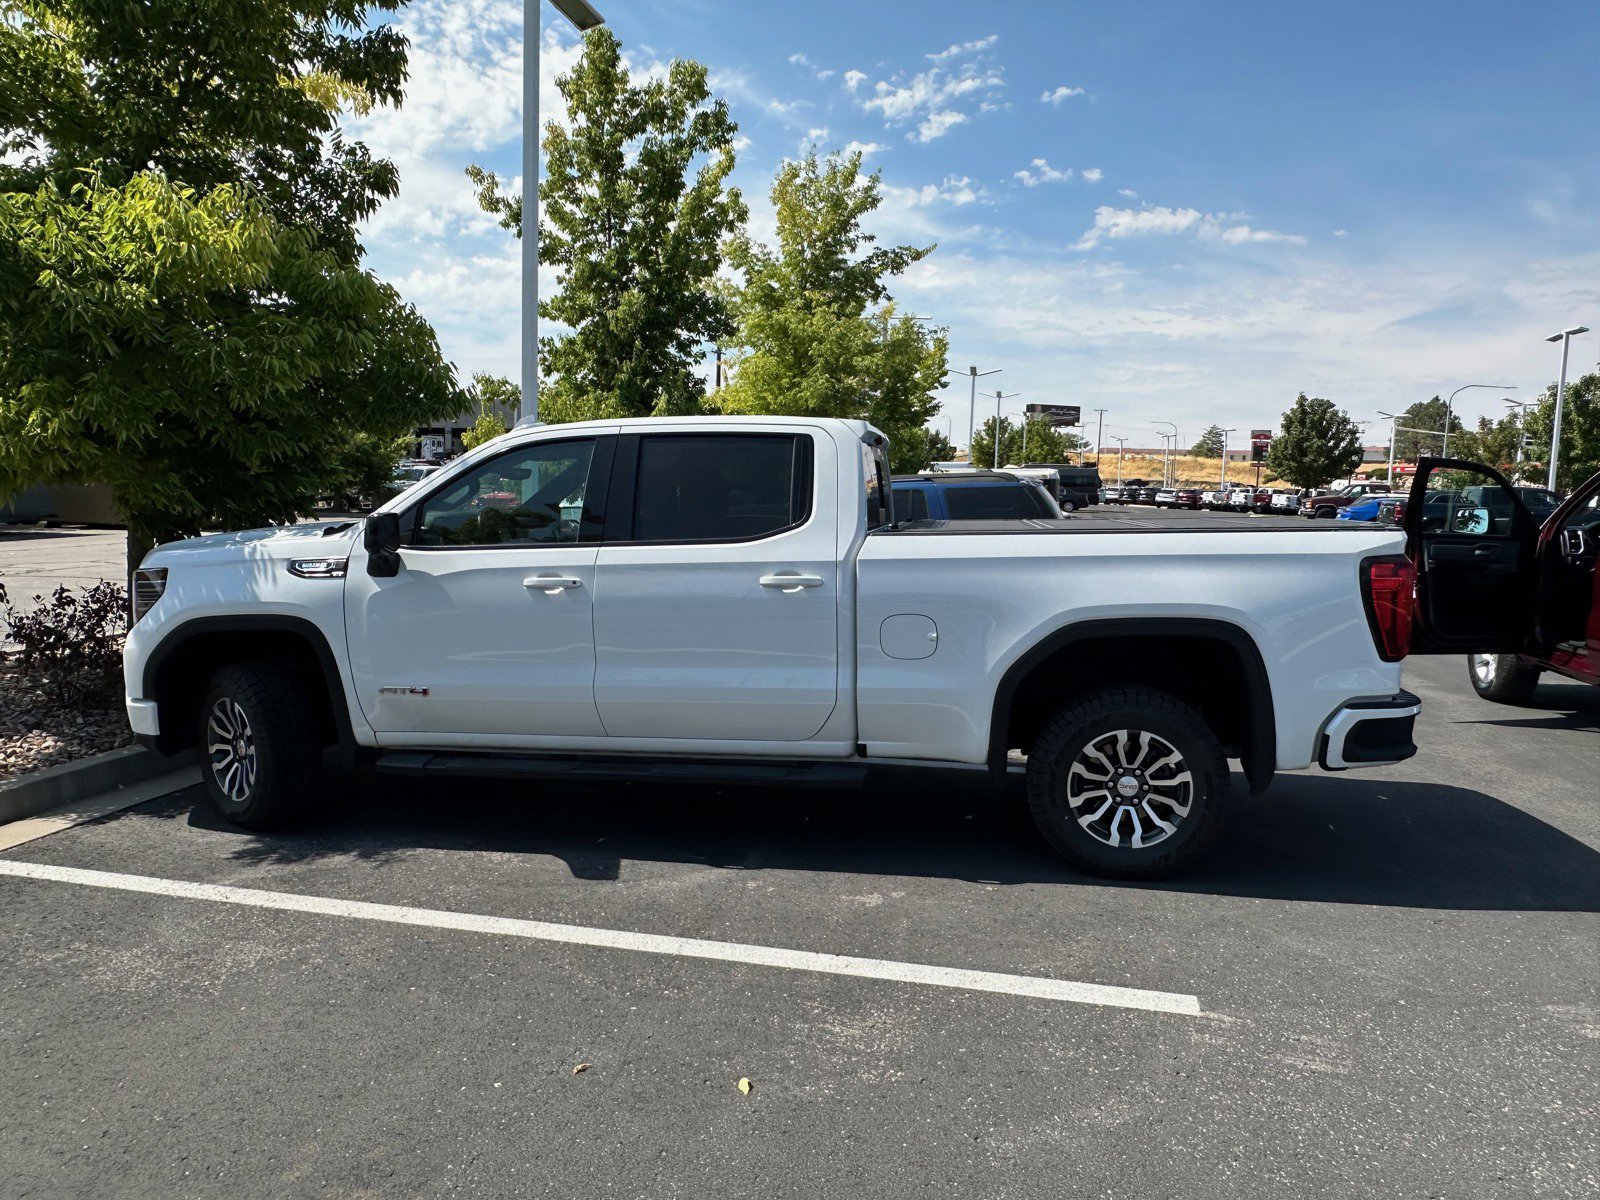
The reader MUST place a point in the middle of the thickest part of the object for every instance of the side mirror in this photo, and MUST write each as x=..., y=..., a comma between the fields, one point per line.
x=1470, y=520
x=381, y=537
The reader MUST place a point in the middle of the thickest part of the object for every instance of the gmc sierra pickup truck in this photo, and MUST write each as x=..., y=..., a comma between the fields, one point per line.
x=717, y=598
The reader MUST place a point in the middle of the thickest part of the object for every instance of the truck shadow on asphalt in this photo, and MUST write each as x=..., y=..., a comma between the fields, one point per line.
x=1566, y=705
x=1314, y=838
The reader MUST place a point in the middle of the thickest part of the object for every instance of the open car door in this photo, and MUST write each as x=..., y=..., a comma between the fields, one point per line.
x=1473, y=544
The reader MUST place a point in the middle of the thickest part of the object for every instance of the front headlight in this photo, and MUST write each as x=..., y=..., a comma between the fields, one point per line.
x=148, y=585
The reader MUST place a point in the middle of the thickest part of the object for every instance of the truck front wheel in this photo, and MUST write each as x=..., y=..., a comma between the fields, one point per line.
x=1128, y=783
x=259, y=754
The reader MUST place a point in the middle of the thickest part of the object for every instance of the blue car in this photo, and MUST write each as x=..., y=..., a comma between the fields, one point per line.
x=1363, y=510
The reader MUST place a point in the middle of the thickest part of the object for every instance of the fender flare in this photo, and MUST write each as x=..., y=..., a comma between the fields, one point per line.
x=186, y=631
x=1261, y=759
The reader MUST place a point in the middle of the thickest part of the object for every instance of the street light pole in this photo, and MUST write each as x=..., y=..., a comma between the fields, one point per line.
x=1565, y=338
x=997, y=398
x=1122, y=443
x=1516, y=407
x=583, y=15
x=1223, y=482
x=1393, y=421
x=1165, y=482
x=1444, y=450
x=1099, y=436
x=972, y=412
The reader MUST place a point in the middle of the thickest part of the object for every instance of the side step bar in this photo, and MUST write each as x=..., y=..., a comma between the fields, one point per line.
x=459, y=764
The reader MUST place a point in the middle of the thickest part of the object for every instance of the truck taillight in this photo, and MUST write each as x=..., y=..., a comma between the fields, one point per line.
x=1388, y=587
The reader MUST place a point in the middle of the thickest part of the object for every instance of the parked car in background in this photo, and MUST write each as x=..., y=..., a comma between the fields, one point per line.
x=1186, y=498
x=1079, y=486
x=1519, y=594
x=1144, y=495
x=1048, y=478
x=1166, y=497
x=1325, y=505
x=1369, y=509
x=1239, y=498
x=970, y=496
x=1285, y=501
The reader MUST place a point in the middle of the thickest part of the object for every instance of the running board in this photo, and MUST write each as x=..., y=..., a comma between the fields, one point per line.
x=610, y=770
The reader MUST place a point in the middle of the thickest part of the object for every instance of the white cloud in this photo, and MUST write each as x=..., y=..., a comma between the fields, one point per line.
x=1060, y=95
x=799, y=60
x=955, y=190
x=854, y=79
x=865, y=149
x=1092, y=174
x=963, y=49
x=937, y=125
x=1340, y=232
x=1117, y=223
x=1042, y=172
x=818, y=134
x=1128, y=192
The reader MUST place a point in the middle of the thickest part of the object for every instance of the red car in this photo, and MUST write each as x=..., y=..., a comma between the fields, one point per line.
x=1517, y=596
x=1186, y=498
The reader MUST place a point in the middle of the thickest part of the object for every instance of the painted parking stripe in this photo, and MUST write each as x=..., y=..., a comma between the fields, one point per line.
x=618, y=939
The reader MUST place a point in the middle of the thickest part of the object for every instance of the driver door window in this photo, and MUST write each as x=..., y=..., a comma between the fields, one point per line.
x=532, y=496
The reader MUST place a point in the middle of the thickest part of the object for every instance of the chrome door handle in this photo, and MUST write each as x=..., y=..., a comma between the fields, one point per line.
x=550, y=584
x=791, y=583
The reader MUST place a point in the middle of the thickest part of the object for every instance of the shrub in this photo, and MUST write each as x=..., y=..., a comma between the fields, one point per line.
x=70, y=646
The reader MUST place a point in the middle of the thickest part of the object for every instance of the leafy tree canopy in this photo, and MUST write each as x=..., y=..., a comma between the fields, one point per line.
x=1316, y=444
x=183, y=315
x=1425, y=415
x=1580, y=432
x=634, y=228
x=817, y=332
x=1044, y=443
x=1210, y=443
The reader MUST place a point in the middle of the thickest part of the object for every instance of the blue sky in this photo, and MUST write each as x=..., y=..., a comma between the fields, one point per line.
x=1174, y=211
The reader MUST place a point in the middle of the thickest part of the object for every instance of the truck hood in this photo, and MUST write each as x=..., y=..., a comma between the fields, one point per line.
x=316, y=539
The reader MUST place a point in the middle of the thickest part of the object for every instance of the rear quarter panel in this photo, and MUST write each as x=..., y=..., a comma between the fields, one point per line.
x=992, y=597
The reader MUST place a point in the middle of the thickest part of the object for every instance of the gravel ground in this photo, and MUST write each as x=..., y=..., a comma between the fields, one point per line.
x=35, y=732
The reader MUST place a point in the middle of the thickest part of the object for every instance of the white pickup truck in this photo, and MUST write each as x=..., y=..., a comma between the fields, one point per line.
x=731, y=598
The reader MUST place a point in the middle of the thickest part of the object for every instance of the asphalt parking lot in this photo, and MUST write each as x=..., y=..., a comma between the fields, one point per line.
x=1395, y=974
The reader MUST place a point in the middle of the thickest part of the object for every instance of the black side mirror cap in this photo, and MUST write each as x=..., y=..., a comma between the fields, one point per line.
x=381, y=537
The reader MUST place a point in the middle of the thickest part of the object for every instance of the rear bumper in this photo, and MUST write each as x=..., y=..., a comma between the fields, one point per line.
x=1369, y=733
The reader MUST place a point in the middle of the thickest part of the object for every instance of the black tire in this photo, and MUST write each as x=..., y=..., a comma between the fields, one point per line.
x=270, y=773
x=1325, y=513
x=1503, y=678
x=1083, y=728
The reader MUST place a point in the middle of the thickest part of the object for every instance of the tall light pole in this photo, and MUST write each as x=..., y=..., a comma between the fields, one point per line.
x=1222, y=484
x=583, y=15
x=1565, y=338
x=1444, y=450
x=997, y=398
x=972, y=413
x=1121, y=445
x=1516, y=407
x=1165, y=482
x=1393, y=422
x=1099, y=436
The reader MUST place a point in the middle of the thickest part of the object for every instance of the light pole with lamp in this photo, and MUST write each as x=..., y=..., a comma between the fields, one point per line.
x=972, y=412
x=583, y=15
x=1165, y=482
x=1516, y=407
x=1222, y=483
x=998, y=396
x=1393, y=422
x=1122, y=443
x=1099, y=436
x=1444, y=450
x=1565, y=338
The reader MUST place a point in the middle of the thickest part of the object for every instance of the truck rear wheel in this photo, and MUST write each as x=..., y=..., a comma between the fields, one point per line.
x=259, y=753
x=1128, y=783
x=1503, y=678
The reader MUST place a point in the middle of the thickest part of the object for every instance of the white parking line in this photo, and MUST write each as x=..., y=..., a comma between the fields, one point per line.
x=618, y=939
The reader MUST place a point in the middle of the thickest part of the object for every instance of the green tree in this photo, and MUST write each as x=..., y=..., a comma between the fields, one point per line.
x=635, y=232
x=1426, y=415
x=183, y=314
x=1210, y=443
x=1317, y=443
x=1044, y=443
x=818, y=334
x=485, y=429
x=1580, y=432
x=495, y=396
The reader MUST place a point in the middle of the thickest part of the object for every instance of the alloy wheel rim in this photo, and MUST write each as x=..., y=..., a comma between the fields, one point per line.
x=231, y=747
x=1129, y=788
x=1483, y=668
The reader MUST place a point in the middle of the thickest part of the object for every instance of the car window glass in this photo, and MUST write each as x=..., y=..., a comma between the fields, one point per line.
x=988, y=502
x=529, y=496
x=910, y=504
x=1464, y=501
x=717, y=487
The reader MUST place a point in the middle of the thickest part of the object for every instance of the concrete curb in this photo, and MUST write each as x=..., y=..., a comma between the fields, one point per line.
x=71, y=782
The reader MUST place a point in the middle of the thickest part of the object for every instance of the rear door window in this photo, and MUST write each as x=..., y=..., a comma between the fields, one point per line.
x=720, y=487
x=910, y=504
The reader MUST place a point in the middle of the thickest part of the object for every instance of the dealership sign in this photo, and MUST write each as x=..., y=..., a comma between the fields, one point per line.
x=1260, y=443
x=1056, y=414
